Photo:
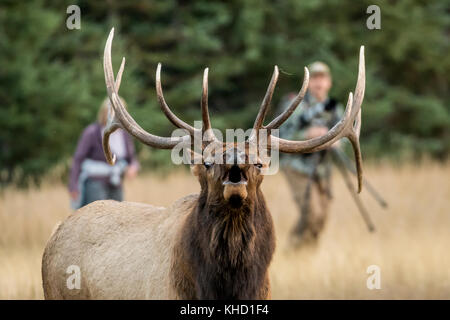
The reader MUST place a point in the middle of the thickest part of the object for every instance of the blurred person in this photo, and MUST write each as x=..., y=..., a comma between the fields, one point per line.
x=91, y=177
x=308, y=175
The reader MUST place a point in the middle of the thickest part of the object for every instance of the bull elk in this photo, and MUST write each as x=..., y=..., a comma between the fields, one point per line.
x=214, y=245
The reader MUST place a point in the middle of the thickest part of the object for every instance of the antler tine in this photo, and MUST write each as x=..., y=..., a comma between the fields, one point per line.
x=266, y=101
x=278, y=121
x=165, y=108
x=117, y=84
x=355, y=128
x=111, y=124
x=119, y=74
x=354, y=139
x=349, y=126
x=204, y=106
x=360, y=84
x=259, y=121
x=120, y=118
x=204, y=102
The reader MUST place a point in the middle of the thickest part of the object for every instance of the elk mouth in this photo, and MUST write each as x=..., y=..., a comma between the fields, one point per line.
x=235, y=186
x=235, y=177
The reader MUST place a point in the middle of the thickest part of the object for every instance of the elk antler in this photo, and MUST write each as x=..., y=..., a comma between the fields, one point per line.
x=204, y=105
x=349, y=126
x=278, y=121
x=119, y=116
x=266, y=101
x=165, y=108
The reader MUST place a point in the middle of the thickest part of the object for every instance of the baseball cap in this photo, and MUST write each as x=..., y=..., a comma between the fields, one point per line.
x=318, y=67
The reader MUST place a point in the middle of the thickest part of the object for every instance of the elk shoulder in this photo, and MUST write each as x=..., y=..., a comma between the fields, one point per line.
x=131, y=242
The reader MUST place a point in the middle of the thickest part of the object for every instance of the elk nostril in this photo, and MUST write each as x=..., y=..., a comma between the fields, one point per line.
x=234, y=175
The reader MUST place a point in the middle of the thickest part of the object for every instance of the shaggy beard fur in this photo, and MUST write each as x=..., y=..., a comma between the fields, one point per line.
x=224, y=250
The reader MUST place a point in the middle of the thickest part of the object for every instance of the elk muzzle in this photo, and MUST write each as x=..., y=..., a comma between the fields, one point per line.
x=235, y=186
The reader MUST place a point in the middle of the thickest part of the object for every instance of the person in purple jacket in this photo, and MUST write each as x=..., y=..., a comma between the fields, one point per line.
x=91, y=177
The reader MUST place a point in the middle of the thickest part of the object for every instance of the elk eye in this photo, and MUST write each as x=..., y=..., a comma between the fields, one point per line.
x=207, y=165
x=258, y=165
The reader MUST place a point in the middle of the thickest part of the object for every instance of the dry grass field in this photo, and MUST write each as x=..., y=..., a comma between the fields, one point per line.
x=411, y=245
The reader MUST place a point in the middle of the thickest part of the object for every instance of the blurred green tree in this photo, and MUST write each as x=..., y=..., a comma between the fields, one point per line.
x=51, y=79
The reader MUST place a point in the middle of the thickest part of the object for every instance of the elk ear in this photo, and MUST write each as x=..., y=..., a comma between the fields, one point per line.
x=195, y=169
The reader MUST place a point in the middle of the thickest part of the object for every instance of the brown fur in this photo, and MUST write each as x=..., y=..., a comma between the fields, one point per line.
x=229, y=257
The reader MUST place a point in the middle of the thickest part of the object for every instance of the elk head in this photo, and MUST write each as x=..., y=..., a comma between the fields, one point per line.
x=236, y=177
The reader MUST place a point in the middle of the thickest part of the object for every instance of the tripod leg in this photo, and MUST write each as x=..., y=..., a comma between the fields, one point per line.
x=357, y=200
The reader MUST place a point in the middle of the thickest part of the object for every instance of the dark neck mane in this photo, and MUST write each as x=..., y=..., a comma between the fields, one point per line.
x=227, y=250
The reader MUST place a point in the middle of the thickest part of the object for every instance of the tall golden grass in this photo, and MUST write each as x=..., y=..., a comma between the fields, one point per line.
x=411, y=245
